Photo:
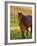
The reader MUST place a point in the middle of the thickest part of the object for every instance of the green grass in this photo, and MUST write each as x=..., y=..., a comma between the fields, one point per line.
x=14, y=21
x=16, y=33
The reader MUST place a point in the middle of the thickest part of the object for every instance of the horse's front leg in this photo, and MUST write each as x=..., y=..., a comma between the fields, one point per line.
x=26, y=31
x=22, y=31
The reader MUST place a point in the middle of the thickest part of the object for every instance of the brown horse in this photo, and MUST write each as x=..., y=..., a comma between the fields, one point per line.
x=24, y=23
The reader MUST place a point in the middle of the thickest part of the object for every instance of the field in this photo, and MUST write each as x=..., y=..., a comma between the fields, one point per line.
x=15, y=32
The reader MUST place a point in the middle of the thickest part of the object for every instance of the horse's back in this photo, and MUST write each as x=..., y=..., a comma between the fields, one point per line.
x=27, y=20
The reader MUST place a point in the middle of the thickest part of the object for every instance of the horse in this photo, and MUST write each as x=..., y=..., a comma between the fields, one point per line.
x=24, y=23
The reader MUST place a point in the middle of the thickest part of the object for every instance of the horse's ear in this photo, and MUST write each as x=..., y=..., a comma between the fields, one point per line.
x=19, y=13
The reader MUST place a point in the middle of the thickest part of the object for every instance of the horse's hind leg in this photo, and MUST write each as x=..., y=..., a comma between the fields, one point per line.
x=31, y=29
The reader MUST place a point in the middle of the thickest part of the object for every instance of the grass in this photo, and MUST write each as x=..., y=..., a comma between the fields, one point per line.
x=14, y=21
x=16, y=33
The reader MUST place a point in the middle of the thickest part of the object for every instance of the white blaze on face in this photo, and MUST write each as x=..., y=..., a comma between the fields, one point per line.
x=29, y=29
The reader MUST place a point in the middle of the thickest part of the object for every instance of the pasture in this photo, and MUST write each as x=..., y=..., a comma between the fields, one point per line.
x=15, y=32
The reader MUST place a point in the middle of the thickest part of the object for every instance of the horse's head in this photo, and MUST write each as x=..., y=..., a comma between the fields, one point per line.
x=19, y=15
